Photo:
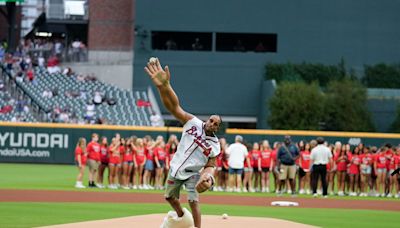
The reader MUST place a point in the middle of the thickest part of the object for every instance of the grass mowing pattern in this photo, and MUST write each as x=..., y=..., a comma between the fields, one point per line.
x=40, y=214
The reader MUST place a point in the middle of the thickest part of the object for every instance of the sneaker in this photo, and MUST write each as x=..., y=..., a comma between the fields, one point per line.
x=383, y=195
x=125, y=187
x=229, y=190
x=135, y=187
x=325, y=196
x=315, y=195
x=244, y=190
x=389, y=195
x=332, y=193
x=301, y=192
x=397, y=196
x=267, y=190
x=289, y=191
x=145, y=187
x=340, y=193
x=308, y=192
x=252, y=190
x=172, y=220
x=80, y=185
x=99, y=185
x=319, y=192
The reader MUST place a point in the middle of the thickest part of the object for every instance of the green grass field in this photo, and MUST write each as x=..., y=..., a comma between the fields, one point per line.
x=62, y=177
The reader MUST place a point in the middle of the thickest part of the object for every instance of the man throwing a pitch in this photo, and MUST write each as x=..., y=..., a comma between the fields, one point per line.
x=195, y=158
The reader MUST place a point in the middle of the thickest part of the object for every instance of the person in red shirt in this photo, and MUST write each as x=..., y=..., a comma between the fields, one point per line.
x=333, y=168
x=380, y=170
x=304, y=171
x=248, y=172
x=127, y=163
x=149, y=165
x=392, y=167
x=121, y=160
x=354, y=170
x=389, y=155
x=265, y=159
x=223, y=174
x=103, y=161
x=80, y=158
x=140, y=160
x=114, y=162
x=367, y=161
x=170, y=148
x=341, y=160
x=161, y=161
x=397, y=176
x=93, y=149
x=274, y=167
x=255, y=156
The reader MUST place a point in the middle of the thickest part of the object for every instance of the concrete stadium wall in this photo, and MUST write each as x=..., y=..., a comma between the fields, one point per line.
x=229, y=83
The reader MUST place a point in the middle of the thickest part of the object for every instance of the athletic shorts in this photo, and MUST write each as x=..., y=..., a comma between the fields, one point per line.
x=287, y=171
x=162, y=164
x=130, y=163
x=235, y=171
x=114, y=164
x=365, y=169
x=302, y=173
x=255, y=170
x=381, y=170
x=174, y=185
x=93, y=164
x=225, y=170
x=247, y=169
x=265, y=169
x=149, y=165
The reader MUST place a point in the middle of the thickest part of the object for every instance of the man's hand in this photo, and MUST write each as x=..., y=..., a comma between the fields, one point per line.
x=159, y=76
x=204, y=183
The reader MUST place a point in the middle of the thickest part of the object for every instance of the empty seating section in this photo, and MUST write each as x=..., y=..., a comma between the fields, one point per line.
x=123, y=112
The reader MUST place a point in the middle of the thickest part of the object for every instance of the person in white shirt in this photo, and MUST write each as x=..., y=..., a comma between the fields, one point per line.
x=320, y=156
x=194, y=162
x=237, y=154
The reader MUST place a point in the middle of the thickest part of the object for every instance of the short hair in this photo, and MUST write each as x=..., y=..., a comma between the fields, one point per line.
x=239, y=138
x=320, y=140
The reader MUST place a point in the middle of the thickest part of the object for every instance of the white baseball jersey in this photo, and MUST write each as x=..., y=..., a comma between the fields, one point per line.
x=194, y=150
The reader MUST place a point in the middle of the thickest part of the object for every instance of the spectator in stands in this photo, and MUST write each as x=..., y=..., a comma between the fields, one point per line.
x=286, y=158
x=41, y=60
x=197, y=46
x=90, y=111
x=237, y=154
x=239, y=46
x=52, y=65
x=47, y=93
x=58, y=49
x=30, y=74
x=155, y=120
x=80, y=159
x=170, y=44
x=19, y=77
x=97, y=98
x=260, y=47
x=76, y=49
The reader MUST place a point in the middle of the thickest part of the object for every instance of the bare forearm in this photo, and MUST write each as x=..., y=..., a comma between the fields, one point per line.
x=169, y=98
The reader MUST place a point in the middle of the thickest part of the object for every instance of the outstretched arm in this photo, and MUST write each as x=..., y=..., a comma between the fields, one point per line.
x=161, y=79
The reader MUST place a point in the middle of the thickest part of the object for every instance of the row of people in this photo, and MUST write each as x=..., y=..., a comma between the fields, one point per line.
x=138, y=163
x=144, y=163
x=353, y=171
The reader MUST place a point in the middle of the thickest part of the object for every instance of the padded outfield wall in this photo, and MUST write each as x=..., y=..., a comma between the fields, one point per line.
x=55, y=143
x=229, y=83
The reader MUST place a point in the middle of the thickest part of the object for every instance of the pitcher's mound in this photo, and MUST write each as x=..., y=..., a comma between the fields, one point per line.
x=208, y=221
